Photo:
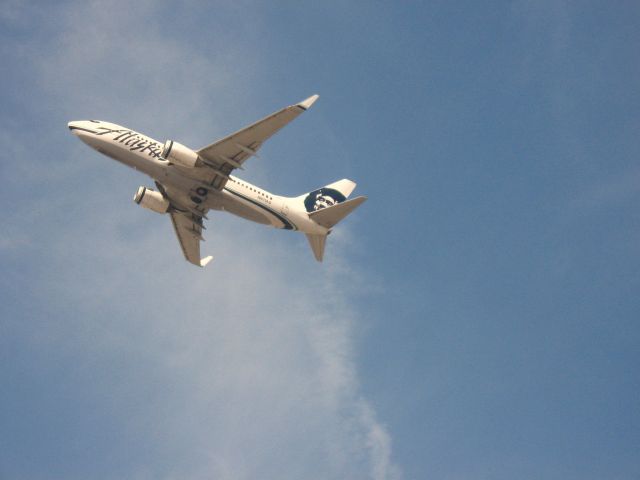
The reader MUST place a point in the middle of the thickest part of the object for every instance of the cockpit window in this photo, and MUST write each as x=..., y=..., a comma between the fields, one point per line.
x=95, y=121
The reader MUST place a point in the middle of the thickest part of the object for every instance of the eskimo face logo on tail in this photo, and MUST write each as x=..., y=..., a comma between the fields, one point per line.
x=322, y=198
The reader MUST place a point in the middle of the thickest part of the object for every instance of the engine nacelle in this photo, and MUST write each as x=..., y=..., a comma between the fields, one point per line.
x=179, y=154
x=147, y=198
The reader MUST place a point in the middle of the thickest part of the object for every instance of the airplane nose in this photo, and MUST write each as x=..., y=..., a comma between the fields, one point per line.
x=80, y=130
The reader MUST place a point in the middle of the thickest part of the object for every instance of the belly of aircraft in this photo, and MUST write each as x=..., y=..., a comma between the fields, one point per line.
x=229, y=203
x=131, y=159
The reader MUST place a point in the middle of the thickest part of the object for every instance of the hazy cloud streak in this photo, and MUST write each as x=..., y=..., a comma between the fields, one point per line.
x=243, y=370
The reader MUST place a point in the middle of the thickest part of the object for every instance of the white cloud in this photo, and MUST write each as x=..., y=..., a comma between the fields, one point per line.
x=242, y=370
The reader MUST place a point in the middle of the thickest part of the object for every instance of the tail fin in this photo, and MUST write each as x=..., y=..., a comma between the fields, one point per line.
x=327, y=206
x=331, y=194
x=328, y=217
x=344, y=186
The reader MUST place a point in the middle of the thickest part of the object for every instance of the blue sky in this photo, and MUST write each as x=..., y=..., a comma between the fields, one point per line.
x=476, y=318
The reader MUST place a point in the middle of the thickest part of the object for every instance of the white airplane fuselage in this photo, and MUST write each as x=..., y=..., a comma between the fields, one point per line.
x=192, y=182
x=238, y=197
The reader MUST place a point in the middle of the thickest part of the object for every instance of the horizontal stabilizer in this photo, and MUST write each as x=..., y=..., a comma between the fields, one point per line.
x=317, y=243
x=329, y=216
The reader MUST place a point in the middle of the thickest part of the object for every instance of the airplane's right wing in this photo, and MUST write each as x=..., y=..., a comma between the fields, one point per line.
x=230, y=153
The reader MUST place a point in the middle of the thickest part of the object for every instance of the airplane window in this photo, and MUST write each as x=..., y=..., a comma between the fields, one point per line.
x=94, y=121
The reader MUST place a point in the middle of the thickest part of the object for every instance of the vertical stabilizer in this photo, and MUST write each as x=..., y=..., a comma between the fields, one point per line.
x=336, y=192
x=317, y=243
x=344, y=186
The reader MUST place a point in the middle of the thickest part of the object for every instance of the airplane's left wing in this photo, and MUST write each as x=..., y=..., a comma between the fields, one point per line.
x=188, y=228
x=230, y=153
x=187, y=218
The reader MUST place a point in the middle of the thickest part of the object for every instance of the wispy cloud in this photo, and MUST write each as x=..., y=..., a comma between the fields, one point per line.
x=242, y=370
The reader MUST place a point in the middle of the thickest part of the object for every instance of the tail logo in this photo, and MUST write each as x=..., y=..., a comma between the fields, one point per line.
x=322, y=198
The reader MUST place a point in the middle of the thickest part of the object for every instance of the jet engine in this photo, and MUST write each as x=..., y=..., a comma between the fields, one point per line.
x=154, y=201
x=179, y=154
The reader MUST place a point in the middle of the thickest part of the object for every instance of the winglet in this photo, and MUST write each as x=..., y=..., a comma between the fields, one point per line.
x=305, y=104
x=205, y=261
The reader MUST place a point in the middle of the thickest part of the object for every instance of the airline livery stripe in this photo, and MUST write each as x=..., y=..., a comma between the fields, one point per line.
x=287, y=224
x=82, y=129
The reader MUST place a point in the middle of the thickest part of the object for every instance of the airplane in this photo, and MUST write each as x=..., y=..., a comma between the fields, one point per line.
x=191, y=182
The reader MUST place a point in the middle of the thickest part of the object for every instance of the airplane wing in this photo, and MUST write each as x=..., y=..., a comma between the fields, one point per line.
x=230, y=153
x=187, y=218
x=188, y=229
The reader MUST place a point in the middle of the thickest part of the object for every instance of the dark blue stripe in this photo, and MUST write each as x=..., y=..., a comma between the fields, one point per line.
x=83, y=129
x=287, y=224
